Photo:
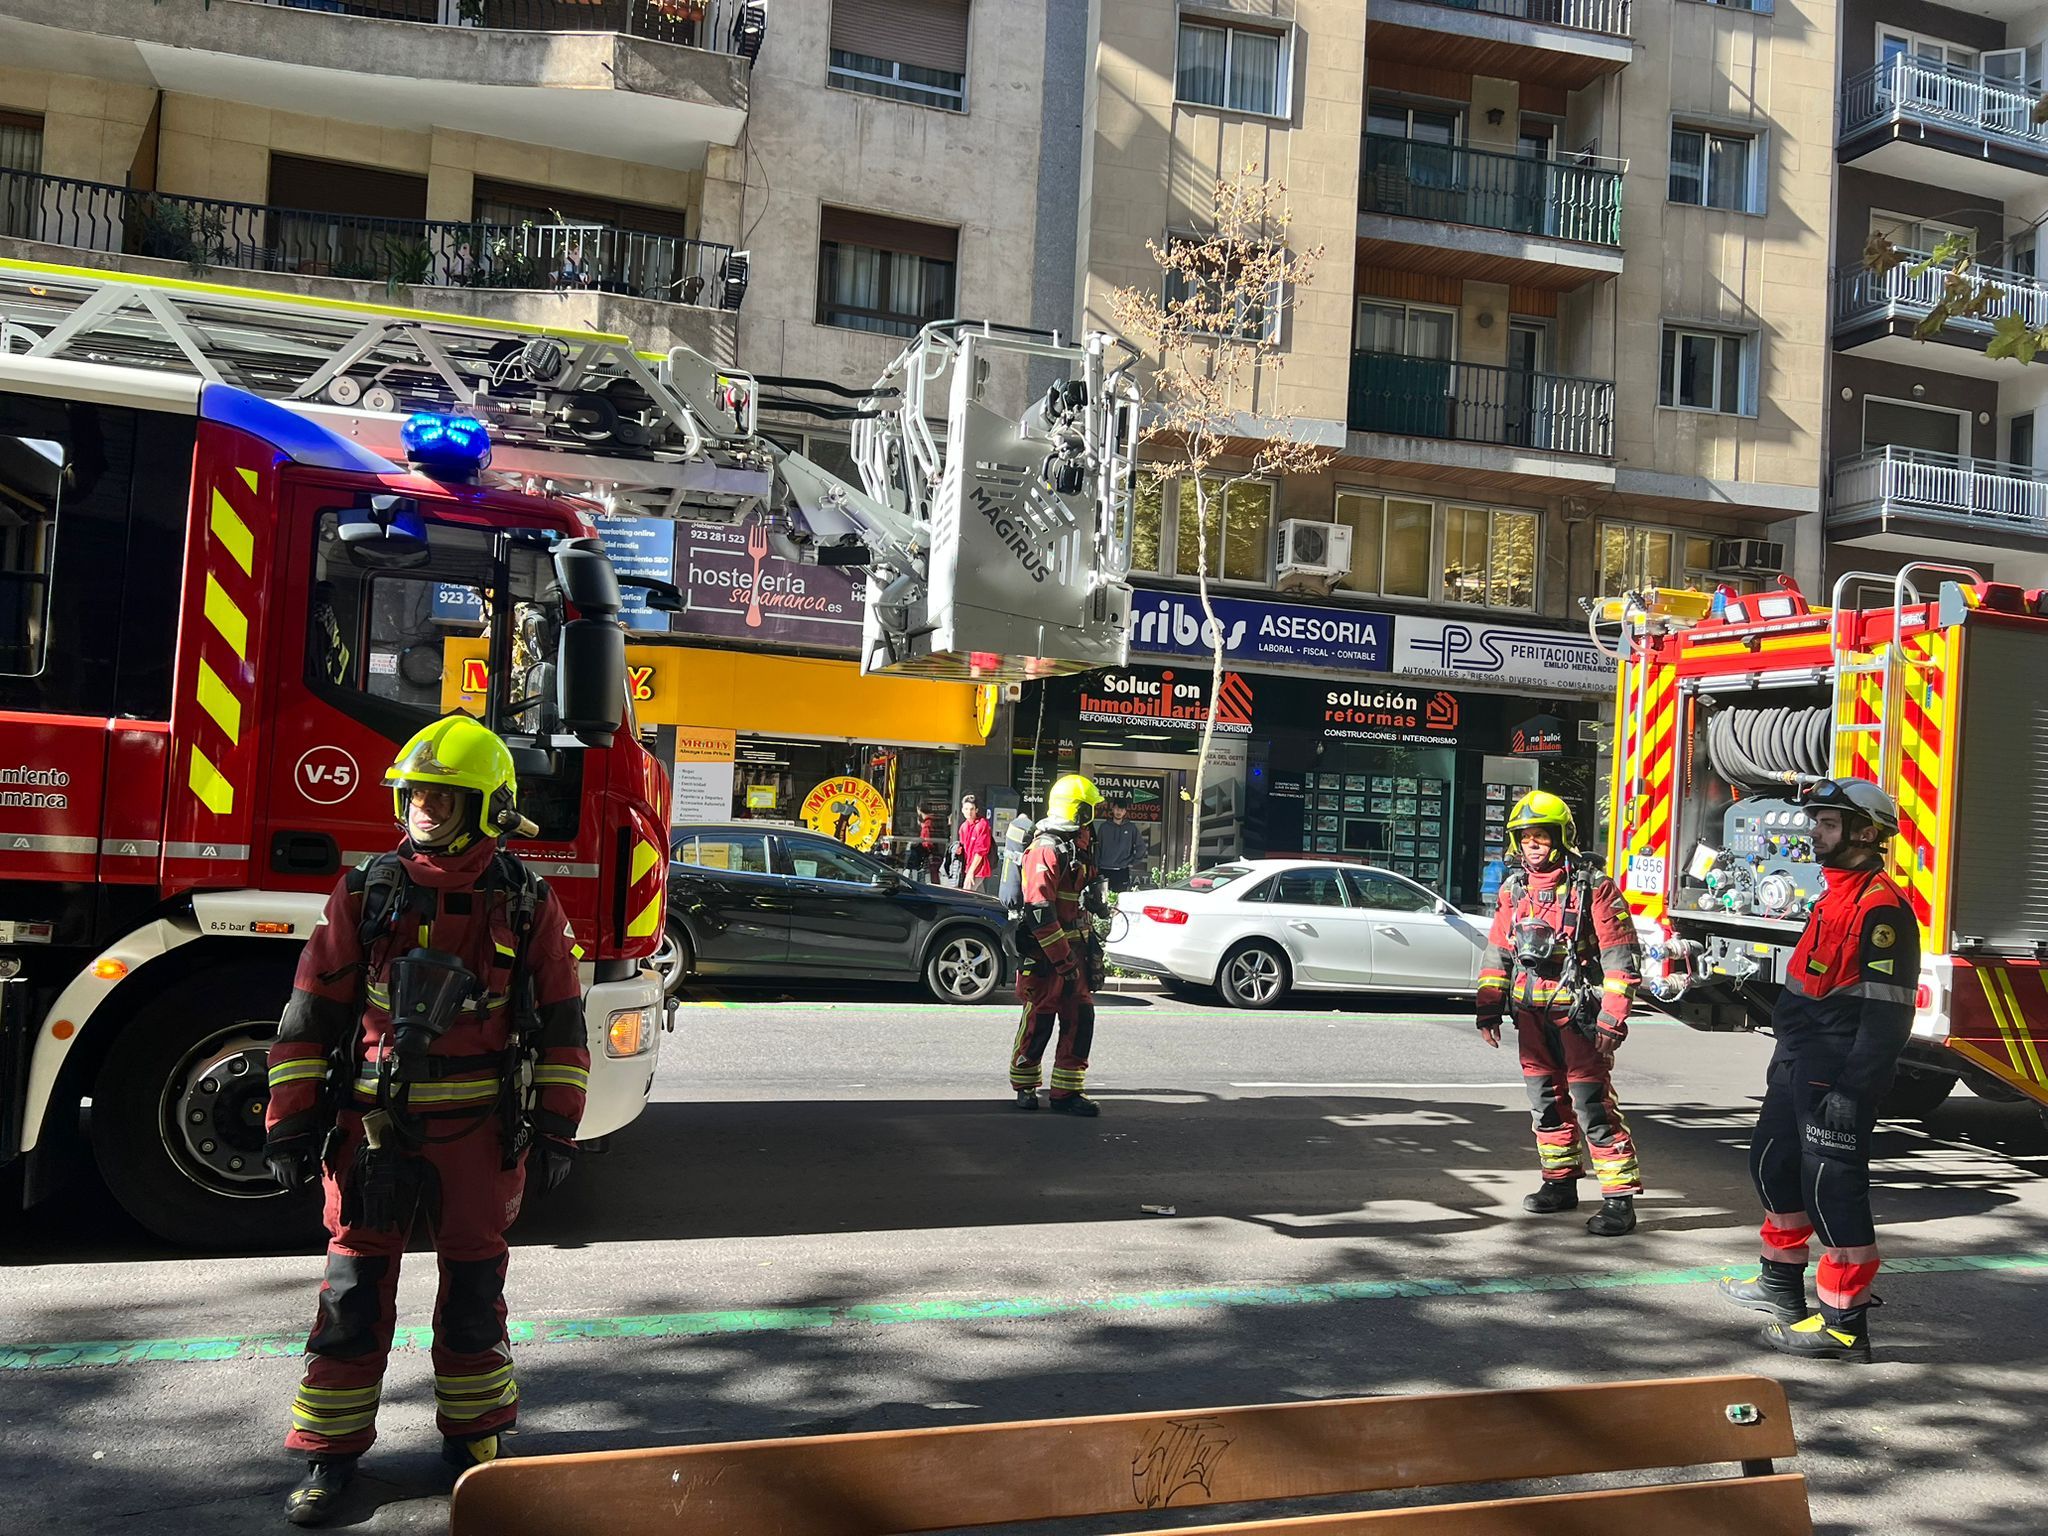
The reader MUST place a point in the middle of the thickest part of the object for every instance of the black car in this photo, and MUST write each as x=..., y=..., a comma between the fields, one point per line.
x=747, y=898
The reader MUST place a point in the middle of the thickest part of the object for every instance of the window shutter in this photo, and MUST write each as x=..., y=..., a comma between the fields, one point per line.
x=330, y=186
x=542, y=204
x=928, y=33
x=847, y=226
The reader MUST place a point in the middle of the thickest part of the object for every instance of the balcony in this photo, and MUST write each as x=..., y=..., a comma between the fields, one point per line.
x=1877, y=314
x=1473, y=213
x=1531, y=430
x=1944, y=127
x=559, y=259
x=1906, y=499
x=1564, y=43
x=614, y=78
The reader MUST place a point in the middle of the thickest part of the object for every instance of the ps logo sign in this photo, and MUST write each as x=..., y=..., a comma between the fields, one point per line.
x=326, y=775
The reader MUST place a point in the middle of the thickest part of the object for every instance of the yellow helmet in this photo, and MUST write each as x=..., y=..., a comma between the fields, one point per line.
x=1540, y=808
x=460, y=753
x=1073, y=801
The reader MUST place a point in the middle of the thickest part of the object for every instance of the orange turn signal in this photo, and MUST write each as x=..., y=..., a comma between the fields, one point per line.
x=627, y=1034
x=110, y=969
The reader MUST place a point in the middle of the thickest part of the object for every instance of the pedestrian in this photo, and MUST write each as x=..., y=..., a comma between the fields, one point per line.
x=1564, y=958
x=931, y=841
x=1119, y=843
x=1060, y=955
x=1843, y=1017
x=1016, y=841
x=974, y=848
x=437, y=973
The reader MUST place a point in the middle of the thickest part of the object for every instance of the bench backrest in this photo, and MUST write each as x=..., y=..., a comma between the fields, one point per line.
x=884, y=1483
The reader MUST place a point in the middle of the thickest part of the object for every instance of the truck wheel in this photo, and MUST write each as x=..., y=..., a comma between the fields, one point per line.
x=1915, y=1095
x=177, y=1115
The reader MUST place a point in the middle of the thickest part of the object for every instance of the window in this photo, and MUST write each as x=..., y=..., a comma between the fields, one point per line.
x=1251, y=316
x=1383, y=893
x=2021, y=440
x=902, y=50
x=1706, y=371
x=744, y=853
x=815, y=859
x=1408, y=330
x=21, y=161
x=1309, y=887
x=1488, y=556
x=2020, y=254
x=33, y=472
x=1240, y=527
x=886, y=275
x=1635, y=558
x=1237, y=68
x=1911, y=234
x=1714, y=169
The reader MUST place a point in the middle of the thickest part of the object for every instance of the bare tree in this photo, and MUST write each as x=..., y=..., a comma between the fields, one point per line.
x=1211, y=347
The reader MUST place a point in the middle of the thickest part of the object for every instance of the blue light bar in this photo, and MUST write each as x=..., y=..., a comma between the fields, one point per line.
x=446, y=447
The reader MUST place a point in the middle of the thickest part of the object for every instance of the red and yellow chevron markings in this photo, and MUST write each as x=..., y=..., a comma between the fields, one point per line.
x=225, y=682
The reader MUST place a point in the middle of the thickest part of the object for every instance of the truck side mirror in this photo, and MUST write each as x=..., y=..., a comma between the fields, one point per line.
x=590, y=679
x=387, y=535
x=587, y=578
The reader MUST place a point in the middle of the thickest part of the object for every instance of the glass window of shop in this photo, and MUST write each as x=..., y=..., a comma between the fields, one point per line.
x=771, y=777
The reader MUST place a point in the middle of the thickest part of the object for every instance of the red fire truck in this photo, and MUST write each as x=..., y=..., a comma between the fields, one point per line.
x=217, y=619
x=1936, y=688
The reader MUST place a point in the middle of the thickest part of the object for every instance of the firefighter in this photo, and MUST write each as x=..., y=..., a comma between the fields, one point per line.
x=1564, y=958
x=1059, y=951
x=435, y=975
x=1841, y=1021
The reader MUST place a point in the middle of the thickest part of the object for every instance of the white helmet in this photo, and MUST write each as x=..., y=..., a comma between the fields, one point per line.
x=1855, y=797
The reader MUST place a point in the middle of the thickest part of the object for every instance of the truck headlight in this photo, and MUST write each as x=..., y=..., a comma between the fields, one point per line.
x=626, y=1033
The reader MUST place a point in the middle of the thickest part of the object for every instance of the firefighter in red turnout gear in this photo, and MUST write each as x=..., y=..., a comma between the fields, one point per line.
x=1845, y=1014
x=441, y=976
x=1563, y=956
x=1060, y=954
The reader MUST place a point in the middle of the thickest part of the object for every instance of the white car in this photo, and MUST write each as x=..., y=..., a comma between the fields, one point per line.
x=1258, y=928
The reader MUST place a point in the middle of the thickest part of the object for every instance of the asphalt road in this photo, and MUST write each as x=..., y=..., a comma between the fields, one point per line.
x=831, y=1220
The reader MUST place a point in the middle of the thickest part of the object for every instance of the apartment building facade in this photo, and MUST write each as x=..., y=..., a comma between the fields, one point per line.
x=1933, y=450
x=1567, y=336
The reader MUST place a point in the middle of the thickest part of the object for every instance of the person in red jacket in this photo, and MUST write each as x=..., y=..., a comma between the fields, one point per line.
x=1561, y=930
x=1060, y=956
x=1845, y=1014
x=975, y=847
x=439, y=976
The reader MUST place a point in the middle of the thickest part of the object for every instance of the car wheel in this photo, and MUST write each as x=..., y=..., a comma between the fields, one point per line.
x=1253, y=975
x=963, y=967
x=673, y=961
x=1915, y=1095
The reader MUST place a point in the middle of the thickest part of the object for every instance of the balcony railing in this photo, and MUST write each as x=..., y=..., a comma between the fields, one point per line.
x=1945, y=488
x=1939, y=95
x=1610, y=18
x=1481, y=403
x=94, y=216
x=1456, y=185
x=1861, y=294
x=720, y=26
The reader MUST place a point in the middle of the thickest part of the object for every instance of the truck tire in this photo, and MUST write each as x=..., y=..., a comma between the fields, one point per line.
x=177, y=1115
x=1915, y=1095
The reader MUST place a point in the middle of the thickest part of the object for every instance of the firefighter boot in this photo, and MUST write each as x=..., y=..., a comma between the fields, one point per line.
x=1552, y=1196
x=1027, y=1098
x=1779, y=1289
x=1615, y=1218
x=1815, y=1338
x=1075, y=1104
x=464, y=1454
x=313, y=1497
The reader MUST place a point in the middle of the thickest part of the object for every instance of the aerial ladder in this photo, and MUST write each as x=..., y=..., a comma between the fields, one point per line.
x=996, y=542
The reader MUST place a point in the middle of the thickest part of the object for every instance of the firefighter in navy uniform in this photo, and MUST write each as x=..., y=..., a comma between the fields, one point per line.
x=440, y=977
x=1059, y=951
x=1844, y=1016
x=1564, y=958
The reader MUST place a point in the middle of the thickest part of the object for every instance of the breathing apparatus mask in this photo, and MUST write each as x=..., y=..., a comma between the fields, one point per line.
x=1535, y=941
x=428, y=989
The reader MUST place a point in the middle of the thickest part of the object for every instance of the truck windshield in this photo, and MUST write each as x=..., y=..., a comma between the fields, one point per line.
x=398, y=648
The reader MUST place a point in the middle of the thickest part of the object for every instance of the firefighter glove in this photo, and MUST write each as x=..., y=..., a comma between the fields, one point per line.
x=1489, y=1031
x=1607, y=1040
x=556, y=1159
x=1838, y=1112
x=294, y=1160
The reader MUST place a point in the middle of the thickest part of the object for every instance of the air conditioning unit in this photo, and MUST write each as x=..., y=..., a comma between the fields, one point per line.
x=1319, y=551
x=1748, y=557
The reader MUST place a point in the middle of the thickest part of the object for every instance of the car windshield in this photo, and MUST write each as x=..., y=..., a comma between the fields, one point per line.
x=1213, y=879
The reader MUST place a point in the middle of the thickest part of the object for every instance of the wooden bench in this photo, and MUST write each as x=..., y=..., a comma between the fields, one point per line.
x=884, y=1483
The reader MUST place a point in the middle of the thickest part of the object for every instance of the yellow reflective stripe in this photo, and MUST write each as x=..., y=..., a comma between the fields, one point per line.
x=320, y=1424
x=476, y=1408
x=292, y=1071
x=505, y=949
x=574, y=1077
x=339, y=1397
x=646, y=920
x=380, y=995
x=248, y=477
x=225, y=615
x=210, y=785
x=477, y=1383
x=460, y=1091
x=233, y=534
x=1616, y=986
x=644, y=859
x=219, y=701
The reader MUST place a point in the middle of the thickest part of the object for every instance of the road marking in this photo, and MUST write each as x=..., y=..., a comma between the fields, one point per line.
x=572, y=1330
x=1517, y=1086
